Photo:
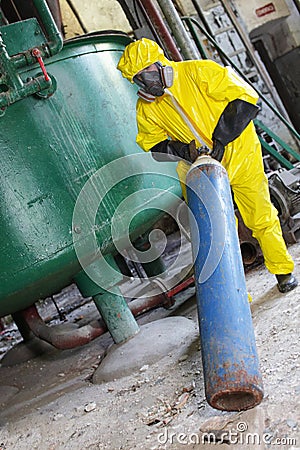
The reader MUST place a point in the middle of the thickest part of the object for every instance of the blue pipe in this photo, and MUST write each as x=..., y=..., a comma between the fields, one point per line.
x=230, y=363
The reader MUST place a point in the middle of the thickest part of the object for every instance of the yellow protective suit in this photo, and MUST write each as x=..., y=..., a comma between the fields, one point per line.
x=203, y=89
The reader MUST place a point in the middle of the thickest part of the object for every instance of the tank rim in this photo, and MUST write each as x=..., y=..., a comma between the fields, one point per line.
x=124, y=37
x=92, y=40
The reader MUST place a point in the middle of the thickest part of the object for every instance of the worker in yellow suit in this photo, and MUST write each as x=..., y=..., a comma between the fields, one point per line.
x=192, y=104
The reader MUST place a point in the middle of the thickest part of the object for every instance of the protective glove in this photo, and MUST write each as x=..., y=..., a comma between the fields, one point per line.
x=234, y=119
x=193, y=151
x=174, y=151
x=217, y=150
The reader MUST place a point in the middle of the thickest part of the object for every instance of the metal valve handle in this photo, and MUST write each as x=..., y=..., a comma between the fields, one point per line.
x=37, y=54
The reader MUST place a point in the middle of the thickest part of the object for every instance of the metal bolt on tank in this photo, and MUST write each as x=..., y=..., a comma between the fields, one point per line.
x=231, y=370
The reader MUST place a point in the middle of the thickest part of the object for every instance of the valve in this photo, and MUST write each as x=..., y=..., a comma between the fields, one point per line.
x=37, y=54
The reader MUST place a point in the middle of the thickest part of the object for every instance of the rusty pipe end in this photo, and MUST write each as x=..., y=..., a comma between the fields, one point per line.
x=249, y=252
x=237, y=399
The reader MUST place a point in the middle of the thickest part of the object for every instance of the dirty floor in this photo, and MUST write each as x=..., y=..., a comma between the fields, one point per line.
x=52, y=402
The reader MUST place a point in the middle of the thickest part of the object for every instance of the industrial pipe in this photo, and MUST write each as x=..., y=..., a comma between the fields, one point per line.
x=156, y=266
x=248, y=252
x=160, y=27
x=188, y=49
x=230, y=363
x=16, y=89
x=54, y=43
x=33, y=86
x=30, y=320
x=61, y=339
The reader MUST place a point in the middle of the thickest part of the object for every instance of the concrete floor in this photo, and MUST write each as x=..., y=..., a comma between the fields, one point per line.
x=52, y=402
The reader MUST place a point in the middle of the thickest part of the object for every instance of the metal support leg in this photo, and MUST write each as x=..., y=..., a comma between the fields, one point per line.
x=155, y=267
x=116, y=314
x=110, y=303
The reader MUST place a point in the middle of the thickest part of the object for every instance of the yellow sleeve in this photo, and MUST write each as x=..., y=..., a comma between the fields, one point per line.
x=223, y=83
x=149, y=132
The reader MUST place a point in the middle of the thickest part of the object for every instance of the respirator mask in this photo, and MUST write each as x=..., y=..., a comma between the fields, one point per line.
x=153, y=82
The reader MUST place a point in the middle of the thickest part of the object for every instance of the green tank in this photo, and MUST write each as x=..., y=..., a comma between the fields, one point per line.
x=50, y=147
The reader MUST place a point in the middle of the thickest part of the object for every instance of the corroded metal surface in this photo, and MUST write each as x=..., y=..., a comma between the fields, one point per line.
x=231, y=370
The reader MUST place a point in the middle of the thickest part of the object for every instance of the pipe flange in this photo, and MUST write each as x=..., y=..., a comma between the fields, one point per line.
x=48, y=92
x=161, y=284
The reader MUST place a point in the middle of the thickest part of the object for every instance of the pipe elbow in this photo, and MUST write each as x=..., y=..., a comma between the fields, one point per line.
x=56, y=44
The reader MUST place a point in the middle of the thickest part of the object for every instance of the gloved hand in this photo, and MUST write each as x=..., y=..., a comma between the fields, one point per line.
x=217, y=150
x=193, y=151
x=174, y=151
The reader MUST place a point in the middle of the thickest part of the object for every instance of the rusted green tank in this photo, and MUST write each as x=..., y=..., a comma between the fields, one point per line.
x=50, y=147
